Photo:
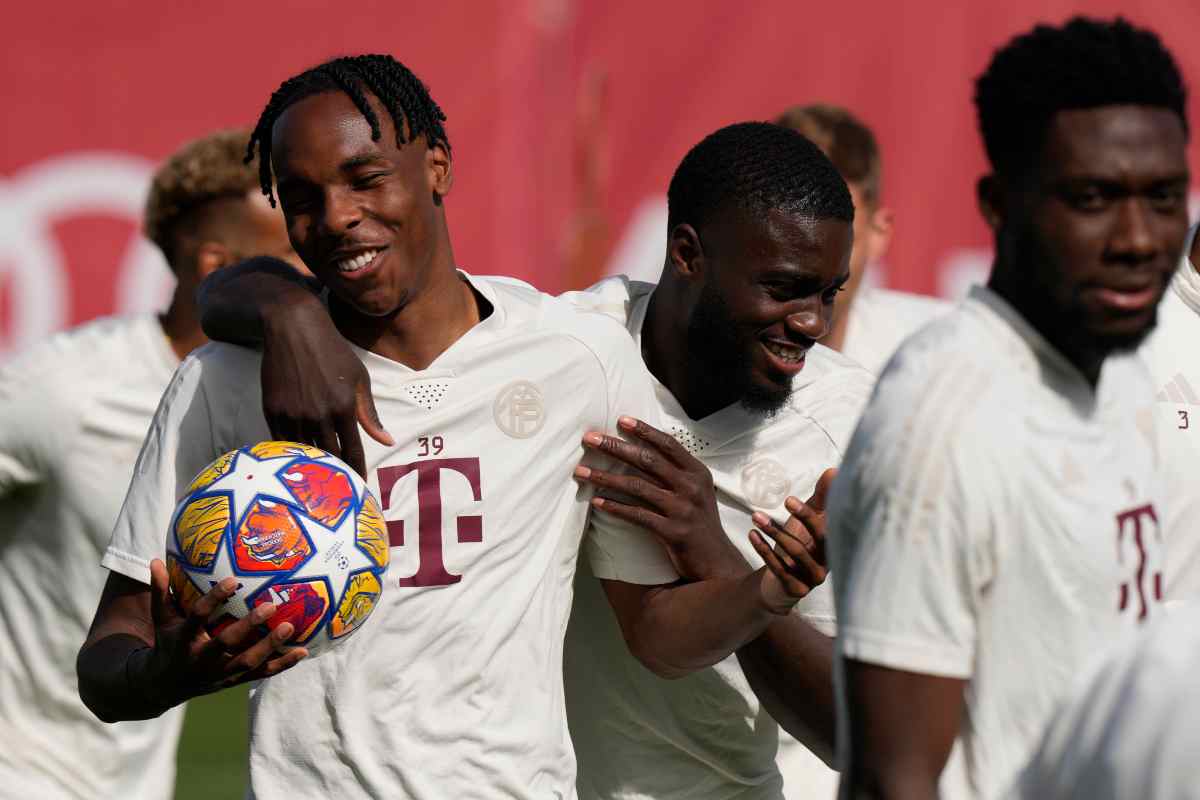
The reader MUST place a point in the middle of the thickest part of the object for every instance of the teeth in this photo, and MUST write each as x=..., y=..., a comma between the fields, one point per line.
x=358, y=262
x=785, y=353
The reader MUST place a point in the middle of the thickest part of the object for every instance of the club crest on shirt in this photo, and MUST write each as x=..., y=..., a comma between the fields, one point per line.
x=519, y=410
x=765, y=483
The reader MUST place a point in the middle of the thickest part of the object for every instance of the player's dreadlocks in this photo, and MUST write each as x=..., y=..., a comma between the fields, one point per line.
x=1087, y=63
x=398, y=90
x=756, y=167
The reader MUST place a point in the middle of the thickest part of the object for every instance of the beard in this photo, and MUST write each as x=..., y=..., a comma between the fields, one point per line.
x=718, y=359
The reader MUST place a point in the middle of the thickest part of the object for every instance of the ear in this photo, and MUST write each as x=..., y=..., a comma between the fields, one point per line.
x=685, y=253
x=990, y=196
x=210, y=257
x=879, y=235
x=441, y=170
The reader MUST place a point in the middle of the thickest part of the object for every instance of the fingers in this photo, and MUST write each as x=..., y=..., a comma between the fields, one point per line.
x=198, y=616
x=664, y=443
x=820, y=495
x=795, y=587
x=813, y=524
x=162, y=609
x=367, y=415
x=795, y=556
x=642, y=517
x=631, y=485
x=324, y=436
x=288, y=659
x=351, y=443
x=257, y=654
x=645, y=459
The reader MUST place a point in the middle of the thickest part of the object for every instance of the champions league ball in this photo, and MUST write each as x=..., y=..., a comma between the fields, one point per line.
x=296, y=527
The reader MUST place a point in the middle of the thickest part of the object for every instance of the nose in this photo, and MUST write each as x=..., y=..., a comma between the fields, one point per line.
x=812, y=321
x=341, y=212
x=1133, y=233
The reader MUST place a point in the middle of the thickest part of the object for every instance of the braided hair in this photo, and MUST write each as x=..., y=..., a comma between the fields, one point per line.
x=1086, y=63
x=756, y=167
x=397, y=88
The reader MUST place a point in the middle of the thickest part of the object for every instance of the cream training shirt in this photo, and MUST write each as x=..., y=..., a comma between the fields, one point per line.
x=998, y=521
x=453, y=689
x=704, y=736
x=73, y=413
x=1171, y=354
x=1133, y=729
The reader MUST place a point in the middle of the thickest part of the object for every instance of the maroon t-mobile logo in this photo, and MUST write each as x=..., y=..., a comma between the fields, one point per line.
x=1139, y=525
x=432, y=570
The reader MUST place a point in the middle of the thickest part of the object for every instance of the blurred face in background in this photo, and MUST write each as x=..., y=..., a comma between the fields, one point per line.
x=872, y=234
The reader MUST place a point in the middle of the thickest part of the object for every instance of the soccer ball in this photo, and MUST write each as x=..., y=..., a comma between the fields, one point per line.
x=296, y=527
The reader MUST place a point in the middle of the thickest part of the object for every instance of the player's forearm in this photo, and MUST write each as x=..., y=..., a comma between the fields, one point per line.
x=894, y=783
x=237, y=303
x=790, y=669
x=690, y=626
x=113, y=679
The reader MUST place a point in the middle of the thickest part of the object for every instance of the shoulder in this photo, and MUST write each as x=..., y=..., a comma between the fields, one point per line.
x=230, y=368
x=614, y=296
x=831, y=392
x=91, y=347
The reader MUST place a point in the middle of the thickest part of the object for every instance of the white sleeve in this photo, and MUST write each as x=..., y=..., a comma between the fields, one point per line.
x=910, y=547
x=179, y=444
x=35, y=422
x=616, y=549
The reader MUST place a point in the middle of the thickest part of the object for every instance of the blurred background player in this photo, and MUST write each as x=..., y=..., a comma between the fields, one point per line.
x=73, y=413
x=869, y=322
x=1132, y=729
x=998, y=519
x=456, y=690
x=1170, y=353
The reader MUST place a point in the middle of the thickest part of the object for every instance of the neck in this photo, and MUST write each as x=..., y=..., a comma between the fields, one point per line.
x=180, y=322
x=1047, y=321
x=440, y=311
x=665, y=351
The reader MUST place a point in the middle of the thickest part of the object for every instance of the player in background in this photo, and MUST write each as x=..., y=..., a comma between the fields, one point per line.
x=998, y=517
x=758, y=249
x=1132, y=727
x=73, y=413
x=869, y=322
x=456, y=689
x=1170, y=354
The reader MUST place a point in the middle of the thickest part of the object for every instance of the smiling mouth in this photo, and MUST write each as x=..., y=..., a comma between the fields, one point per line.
x=787, y=353
x=358, y=262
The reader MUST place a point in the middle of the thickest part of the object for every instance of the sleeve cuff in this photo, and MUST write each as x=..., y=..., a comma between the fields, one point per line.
x=927, y=658
x=126, y=564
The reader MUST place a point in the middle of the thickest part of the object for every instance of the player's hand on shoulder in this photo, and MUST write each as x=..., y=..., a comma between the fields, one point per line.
x=797, y=563
x=187, y=662
x=672, y=496
x=315, y=390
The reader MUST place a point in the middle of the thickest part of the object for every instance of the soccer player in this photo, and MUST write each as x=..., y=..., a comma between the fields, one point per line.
x=869, y=322
x=998, y=516
x=1170, y=354
x=456, y=688
x=73, y=412
x=1133, y=729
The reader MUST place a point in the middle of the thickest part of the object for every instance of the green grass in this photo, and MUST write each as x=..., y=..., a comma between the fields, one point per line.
x=212, y=750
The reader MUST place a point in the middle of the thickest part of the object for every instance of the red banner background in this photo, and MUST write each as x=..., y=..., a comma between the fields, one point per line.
x=567, y=119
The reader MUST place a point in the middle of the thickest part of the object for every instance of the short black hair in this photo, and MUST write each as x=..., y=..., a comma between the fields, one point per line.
x=756, y=167
x=1086, y=63
x=398, y=89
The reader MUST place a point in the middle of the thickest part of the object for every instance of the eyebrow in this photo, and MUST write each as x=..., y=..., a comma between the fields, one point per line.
x=361, y=160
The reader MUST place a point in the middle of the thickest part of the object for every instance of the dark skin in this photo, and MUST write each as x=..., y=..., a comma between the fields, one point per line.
x=367, y=218
x=1103, y=214
x=786, y=294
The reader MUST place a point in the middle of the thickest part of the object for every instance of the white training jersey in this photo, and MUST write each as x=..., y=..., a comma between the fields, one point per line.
x=880, y=319
x=454, y=687
x=997, y=521
x=1132, y=730
x=1172, y=354
x=704, y=736
x=73, y=413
